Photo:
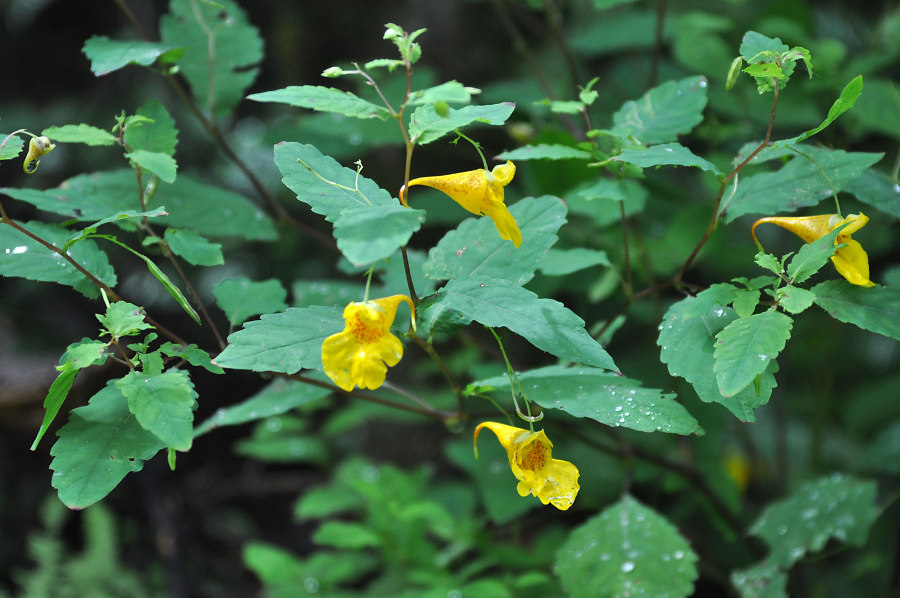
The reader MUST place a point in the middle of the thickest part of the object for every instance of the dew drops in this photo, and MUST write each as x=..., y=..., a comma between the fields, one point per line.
x=627, y=567
x=668, y=149
x=18, y=250
x=311, y=585
x=618, y=408
x=703, y=82
x=896, y=187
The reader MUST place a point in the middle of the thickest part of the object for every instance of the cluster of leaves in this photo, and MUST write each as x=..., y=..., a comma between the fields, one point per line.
x=419, y=537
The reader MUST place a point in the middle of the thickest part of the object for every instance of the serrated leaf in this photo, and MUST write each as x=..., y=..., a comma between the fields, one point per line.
x=812, y=256
x=426, y=125
x=545, y=323
x=163, y=405
x=560, y=262
x=326, y=186
x=194, y=248
x=664, y=112
x=627, y=550
x=795, y=299
x=123, y=319
x=373, y=233
x=327, y=292
x=11, y=146
x=56, y=395
x=745, y=347
x=474, y=250
x=323, y=99
x=284, y=342
x=876, y=309
x=220, y=50
x=836, y=506
x=80, y=133
x=24, y=257
x=161, y=165
x=801, y=182
x=546, y=151
x=602, y=396
x=108, y=55
x=765, y=69
x=745, y=302
x=721, y=293
x=155, y=132
x=241, y=298
x=769, y=262
x=277, y=398
x=686, y=346
x=97, y=448
x=665, y=154
x=211, y=211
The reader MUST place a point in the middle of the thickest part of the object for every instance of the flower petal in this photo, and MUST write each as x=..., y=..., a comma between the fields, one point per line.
x=338, y=351
x=852, y=263
x=468, y=188
x=808, y=228
x=505, y=223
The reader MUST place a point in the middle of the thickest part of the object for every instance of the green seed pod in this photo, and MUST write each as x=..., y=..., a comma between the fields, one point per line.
x=734, y=72
x=442, y=109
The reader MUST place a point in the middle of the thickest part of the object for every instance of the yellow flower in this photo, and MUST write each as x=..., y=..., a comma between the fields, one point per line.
x=551, y=480
x=361, y=353
x=37, y=147
x=480, y=192
x=851, y=261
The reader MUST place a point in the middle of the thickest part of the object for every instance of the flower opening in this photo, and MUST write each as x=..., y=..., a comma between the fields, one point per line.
x=851, y=261
x=360, y=354
x=553, y=481
x=481, y=193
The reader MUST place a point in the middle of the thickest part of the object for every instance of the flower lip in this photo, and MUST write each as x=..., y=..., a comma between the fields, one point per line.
x=551, y=480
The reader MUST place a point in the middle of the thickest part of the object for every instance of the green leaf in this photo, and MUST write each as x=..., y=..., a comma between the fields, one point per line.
x=211, y=211
x=794, y=299
x=545, y=323
x=284, y=342
x=56, y=395
x=877, y=190
x=426, y=125
x=155, y=132
x=474, y=249
x=560, y=262
x=836, y=506
x=194, y=248
x=627, y=550
x=163, y=405
x=81, y=133
x=875, y=309
x=323, y=99
x=277, y=398
x=11, y=146
x=191, y=354
x=345, y=534
x=284, y=440
x=120, y=218
x=373, y=233
x=746, y=301
x=123, y=319
x=664, y=112
x=283, y=573
x=545, y=151
x=221, y=49
x=159, y=164
x=599, y=201
x=801, y=182
x=326, y=186
x=812, y=256
x=769, y=262
x=26, y=258
x=721, y=293
x=764, y=580
x=97, y=448
x=241, y=298
x=845, y=101
x=765, y=69
x=602, y=396
x=745, y=347
x=670, y=154
x=327, y=292
x=687, y=341
x=450, y=91
x=108, y=55
x=754, y=44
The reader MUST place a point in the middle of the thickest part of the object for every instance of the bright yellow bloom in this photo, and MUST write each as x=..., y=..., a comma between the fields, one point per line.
x=361, y=353
x=851, y=261
x=551, y=480
x=480, y=192
x=37, y=147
